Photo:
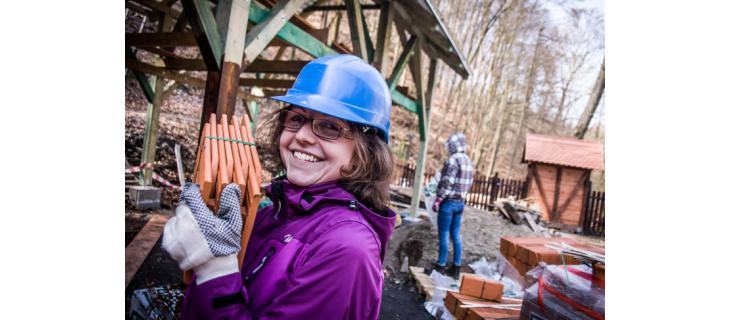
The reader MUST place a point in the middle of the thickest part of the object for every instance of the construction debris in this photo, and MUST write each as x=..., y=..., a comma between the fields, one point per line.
x=558, y=292
x=519, y=212
x=158, y=303
x=525, y=253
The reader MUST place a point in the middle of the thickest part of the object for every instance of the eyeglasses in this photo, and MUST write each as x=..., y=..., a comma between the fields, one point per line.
x=322, y=128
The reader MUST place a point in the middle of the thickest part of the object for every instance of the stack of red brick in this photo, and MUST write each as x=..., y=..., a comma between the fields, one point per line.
x=486, y=292
x=525, y=253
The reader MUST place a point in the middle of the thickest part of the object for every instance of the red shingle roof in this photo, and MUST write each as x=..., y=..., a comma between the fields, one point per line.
x=566, y=151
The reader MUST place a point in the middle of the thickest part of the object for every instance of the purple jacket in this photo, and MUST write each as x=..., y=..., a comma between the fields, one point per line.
x=317, y=253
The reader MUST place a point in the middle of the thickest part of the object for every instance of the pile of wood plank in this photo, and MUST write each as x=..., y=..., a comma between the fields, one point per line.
x=227, y=154
x=517, y=212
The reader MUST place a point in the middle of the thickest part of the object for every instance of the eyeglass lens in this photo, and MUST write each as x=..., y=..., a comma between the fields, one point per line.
x=322, y=128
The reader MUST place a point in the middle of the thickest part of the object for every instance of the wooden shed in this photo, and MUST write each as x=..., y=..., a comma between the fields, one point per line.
x=558, y=176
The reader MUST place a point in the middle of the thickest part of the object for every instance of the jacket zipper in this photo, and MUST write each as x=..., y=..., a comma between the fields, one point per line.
x=249, y=278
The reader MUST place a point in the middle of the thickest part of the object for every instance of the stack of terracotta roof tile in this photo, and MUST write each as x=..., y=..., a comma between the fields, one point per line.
x=525, y=253
x=227, y=154
x=481, y=298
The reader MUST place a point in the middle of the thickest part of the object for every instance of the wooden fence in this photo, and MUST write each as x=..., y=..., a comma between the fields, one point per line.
x=594, y=213
x=484, y=191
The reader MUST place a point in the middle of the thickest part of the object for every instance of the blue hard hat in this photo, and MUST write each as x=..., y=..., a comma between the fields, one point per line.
x=346, y=87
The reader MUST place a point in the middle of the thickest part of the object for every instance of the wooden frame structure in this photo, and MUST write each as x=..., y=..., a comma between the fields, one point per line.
x=229, y=49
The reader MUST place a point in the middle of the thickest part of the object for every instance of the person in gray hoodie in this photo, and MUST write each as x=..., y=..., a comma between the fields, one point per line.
x=456, y=180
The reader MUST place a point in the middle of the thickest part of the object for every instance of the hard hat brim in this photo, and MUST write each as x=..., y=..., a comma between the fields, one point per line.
x=336, y=109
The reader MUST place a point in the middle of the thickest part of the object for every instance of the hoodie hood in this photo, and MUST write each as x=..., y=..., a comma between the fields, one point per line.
x=456, y=143
x=303, y=201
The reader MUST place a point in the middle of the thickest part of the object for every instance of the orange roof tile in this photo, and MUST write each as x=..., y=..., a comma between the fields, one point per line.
x=566, y=151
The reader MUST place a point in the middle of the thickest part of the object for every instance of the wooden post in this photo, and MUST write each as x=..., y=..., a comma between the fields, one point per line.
x=385, y=26
x=556, y=195
x=236, y=21
x=149, y=144
x=494, y=188
x=585, y=215
x=357, y=31
x=400, y=66
x=422, y=112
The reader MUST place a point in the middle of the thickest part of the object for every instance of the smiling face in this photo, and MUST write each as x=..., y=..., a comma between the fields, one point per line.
x=309, y=159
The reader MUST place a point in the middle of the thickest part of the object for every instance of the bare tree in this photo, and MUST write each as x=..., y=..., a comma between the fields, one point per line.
x=596, y=94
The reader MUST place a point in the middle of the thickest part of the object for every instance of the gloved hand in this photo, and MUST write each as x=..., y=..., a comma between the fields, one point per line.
x=201, y=241
x=437, y=204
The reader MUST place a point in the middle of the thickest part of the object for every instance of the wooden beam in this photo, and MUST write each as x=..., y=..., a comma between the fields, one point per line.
x=235, y=15
x=267, y=83
x=341, y=7
x=137, y=251
x=385, y=26
x=271, y=93
x=422, y=130
x=257, y=66
x=357, y=31
x=277, y=66
x=183, y=78
x=149, y=143
x=436, y=43
x=141, y=78
x=556, y=195
x=541, y=191
x=292, y=34
x=162, y=52
x=157, y=6
x=201, y=20
x=573, y=193
x=159, y=39
x=266, y=30
x=403, y=101
x=402, y=61
x=368, y=41
x=307, y=27
x=431, y=83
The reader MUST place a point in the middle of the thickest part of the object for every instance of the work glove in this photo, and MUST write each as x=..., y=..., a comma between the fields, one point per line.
x=201, y=241
x=436, y=204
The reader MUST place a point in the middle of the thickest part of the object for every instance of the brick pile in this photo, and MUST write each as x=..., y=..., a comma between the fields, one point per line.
x=525, y=253
x=487, y=294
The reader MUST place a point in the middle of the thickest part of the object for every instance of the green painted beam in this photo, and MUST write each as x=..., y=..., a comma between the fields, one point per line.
x=261, y=35
x=368, y=41
x=385, y=26
x=357, y=29
x=402, y=62
x=141, y=78
x=403, y=101
x=291, y=33
x=423, y=124
x=201, y=20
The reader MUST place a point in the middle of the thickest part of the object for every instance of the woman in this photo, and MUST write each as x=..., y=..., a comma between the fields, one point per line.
x=318, y=252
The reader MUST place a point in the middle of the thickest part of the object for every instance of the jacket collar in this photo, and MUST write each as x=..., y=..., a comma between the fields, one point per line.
x=298, y=201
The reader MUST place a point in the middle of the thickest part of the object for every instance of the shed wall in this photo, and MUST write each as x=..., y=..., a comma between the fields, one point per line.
x=570, y=179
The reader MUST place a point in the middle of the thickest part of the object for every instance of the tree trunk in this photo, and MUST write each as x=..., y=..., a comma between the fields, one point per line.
x=596, y=94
